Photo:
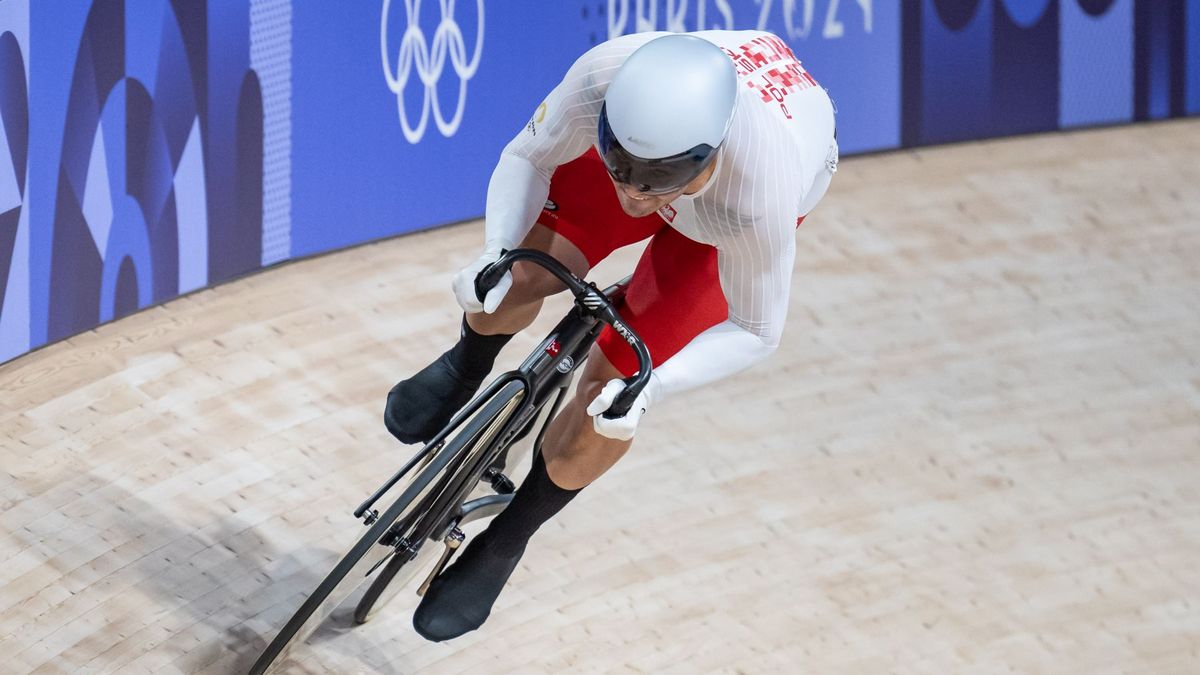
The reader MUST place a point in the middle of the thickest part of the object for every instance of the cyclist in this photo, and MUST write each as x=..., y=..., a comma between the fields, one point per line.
x=714, y=145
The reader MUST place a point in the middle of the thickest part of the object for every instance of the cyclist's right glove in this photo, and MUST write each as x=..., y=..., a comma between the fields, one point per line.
x=621, y=428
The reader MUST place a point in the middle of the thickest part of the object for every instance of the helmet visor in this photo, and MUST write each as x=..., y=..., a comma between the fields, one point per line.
x=651, y=176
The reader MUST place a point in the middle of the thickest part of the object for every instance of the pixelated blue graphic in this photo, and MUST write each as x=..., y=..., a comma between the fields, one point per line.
x=956, y=54
x=180, y=143
x=119, y=230
x=1025, y=67
x=1026, y=13
x=126, y=180
x=1096, y=85
x=1158, y=74
x=347, y=114
x=14, y=164
x=1192, y=57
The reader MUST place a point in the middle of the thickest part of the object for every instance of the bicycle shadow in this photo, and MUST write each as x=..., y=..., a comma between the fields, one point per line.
x=234, y=587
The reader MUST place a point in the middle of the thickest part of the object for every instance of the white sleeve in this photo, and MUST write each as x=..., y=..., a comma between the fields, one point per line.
x=755, y=235
x=717, y=353
x=756, y=271
x=562, y=128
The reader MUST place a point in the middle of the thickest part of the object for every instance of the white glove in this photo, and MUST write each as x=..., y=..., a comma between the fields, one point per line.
x=464, y=286
x=621, y=428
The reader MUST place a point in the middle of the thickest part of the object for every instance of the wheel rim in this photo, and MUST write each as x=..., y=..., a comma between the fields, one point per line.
x=397, y=578
x=404, y=576
x=370, y=562
x=280, y=653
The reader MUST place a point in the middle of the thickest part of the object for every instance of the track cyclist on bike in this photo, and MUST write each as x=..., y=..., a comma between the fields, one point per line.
x=714, y=145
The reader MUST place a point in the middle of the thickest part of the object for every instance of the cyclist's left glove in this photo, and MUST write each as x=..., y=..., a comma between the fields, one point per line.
x=621, y=428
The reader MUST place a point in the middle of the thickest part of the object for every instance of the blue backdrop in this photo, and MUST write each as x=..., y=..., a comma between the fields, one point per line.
x=158, y=146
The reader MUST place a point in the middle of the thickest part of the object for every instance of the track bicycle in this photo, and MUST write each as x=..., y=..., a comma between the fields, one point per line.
x=438, y=482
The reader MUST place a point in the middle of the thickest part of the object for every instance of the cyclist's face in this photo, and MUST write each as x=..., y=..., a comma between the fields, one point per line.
x=638, y=204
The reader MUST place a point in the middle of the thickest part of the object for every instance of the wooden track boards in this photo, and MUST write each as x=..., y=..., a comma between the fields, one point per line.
x=978, y=450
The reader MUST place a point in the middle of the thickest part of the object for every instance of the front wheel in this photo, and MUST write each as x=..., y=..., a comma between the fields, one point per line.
x=393, y=578
x=368, y=554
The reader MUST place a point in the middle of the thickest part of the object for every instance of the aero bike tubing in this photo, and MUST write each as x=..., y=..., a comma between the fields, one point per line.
x=347, y=563
x=590, y=300
x=565, y=347
x=466, y=476
x=476, y=403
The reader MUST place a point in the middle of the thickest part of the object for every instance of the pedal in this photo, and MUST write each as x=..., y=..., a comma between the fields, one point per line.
x=453, y=541
x=500, y=483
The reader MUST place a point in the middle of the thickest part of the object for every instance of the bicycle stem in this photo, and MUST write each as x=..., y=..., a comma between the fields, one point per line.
x=590, y=300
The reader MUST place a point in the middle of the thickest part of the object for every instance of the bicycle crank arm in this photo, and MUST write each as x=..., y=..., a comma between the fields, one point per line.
x=453, y=541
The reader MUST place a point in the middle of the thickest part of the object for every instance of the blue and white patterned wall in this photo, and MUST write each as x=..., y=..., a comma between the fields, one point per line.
x=152, y=147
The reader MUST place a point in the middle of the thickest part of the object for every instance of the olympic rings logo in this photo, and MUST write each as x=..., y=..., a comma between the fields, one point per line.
x=428, y=61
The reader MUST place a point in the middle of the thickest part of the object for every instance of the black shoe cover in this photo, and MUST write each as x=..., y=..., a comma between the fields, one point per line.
x=461, y=598
x=420, y=406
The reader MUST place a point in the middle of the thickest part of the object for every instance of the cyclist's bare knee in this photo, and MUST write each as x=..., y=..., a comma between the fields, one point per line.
x=532, y=282
x=597, y=372
x=575, y=454
x=575, y=432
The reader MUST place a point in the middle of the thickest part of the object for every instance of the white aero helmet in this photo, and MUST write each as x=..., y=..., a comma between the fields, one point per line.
x=666, y=112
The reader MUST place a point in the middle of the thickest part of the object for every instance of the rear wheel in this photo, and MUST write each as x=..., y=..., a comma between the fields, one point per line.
x=367, y=556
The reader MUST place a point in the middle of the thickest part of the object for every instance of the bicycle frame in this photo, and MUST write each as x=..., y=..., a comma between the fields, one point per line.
x=434, y=505
x=547, y=370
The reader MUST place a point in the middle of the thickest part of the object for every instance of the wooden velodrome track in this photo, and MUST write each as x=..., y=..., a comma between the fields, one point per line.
x=978, y=451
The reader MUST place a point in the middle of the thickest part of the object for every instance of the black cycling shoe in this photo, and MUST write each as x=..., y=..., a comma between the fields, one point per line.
x=461, y=598
x=420, y=406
